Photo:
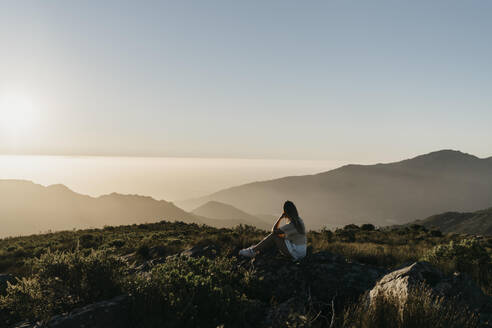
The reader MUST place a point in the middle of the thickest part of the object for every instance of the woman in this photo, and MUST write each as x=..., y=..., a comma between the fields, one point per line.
x=290, y=238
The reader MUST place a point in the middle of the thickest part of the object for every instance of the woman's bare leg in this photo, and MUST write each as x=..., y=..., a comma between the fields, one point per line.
x=270, y=241
x=280, y=242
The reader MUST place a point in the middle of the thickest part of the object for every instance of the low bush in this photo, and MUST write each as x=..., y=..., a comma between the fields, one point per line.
x=368, y=227
x=61, y=281
x=467, y=255
x=189, y=292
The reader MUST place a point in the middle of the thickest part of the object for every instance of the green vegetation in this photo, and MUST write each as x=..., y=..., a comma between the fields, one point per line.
x=467, y=255
x=60, y=282
x=57, y=272
x=192, y=292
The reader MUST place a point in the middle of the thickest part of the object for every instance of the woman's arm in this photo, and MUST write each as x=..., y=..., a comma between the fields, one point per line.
x=275, y=226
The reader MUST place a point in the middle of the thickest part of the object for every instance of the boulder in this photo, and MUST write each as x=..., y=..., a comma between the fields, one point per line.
x=398, y=283
x=208, y=251
x=457, y=287
x=312, y=284
x=104, y=314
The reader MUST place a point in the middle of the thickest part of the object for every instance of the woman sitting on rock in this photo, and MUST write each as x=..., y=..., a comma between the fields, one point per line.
x=290, y=239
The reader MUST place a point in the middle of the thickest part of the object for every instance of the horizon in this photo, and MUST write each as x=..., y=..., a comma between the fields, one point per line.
x=239, y=172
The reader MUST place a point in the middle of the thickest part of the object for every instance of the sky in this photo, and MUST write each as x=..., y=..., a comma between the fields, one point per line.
x=319, y=80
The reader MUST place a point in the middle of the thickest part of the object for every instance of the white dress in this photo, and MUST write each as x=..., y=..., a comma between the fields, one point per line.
x=298, y=248
x=297, y=251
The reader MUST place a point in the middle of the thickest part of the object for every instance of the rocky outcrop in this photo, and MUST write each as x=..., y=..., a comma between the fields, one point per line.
x=320, y=282
x=457, y=287
x=104, y=314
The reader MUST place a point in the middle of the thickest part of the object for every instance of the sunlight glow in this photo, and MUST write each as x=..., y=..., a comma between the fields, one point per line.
x=17, y=116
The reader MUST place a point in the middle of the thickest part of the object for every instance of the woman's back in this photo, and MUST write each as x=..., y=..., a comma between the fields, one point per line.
x=292, y=234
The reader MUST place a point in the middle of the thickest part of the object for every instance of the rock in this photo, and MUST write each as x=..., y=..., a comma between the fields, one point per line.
x=312, y=283
x=148, y=265
x=399, y=282
x=209, y=251
x=109, y=313
x=157, y=251
x=458, y=287
x=4, y=279
x=279, y=315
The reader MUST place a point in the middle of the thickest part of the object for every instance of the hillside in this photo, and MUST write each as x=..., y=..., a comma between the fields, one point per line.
x=28, y=208
x=479, y=222
x=230, y=214
x=381, y=194
x=173, y=274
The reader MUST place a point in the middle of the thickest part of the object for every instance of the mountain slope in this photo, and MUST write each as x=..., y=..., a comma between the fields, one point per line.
x=227, y=212
x=382, y=194
x=28, y=208
x=479, y=222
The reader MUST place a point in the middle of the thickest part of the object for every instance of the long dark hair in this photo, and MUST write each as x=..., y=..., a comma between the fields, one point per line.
x=290, y=211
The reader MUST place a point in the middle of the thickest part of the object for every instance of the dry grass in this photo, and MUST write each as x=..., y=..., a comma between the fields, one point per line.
x=376, y=254
x=422, y=310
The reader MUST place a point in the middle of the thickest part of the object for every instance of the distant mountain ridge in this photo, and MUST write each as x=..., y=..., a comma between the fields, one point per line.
x=28, y=208
x=382, y=194
x=229, y=213
x=477, y=223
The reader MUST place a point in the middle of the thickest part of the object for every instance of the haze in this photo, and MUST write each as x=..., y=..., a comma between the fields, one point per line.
x=351, y=81
x=161, y=178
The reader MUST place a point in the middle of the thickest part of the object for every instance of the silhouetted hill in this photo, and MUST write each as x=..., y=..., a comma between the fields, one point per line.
x=229, y=213
x=27, y=208
x=382, y=194
x=478, y=223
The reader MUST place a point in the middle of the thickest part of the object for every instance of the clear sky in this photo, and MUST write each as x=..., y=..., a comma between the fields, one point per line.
x=344, y=80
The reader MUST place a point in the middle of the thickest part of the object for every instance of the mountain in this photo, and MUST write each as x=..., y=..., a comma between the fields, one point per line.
x=28, y=208
x=478, y=223
x=381, y=194
x=229, y=213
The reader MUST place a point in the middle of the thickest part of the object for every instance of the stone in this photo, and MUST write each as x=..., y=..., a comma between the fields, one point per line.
x=104, y=314
x=208, y=251
x=458, y=287
x=311, y=283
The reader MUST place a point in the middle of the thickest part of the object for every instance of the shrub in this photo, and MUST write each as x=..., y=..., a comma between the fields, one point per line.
x=418, y=227
x=143, y=251
x=436, y=233
x=368, y=227
x=117, y=243
x=61, y=281
x=351, y=227
x=327, y=234
x=24, y=300
x=346, y=235
x=467, y=255
x=189, y=292
x=87, y=241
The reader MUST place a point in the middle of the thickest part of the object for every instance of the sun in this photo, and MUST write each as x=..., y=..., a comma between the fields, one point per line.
x=17, y=115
